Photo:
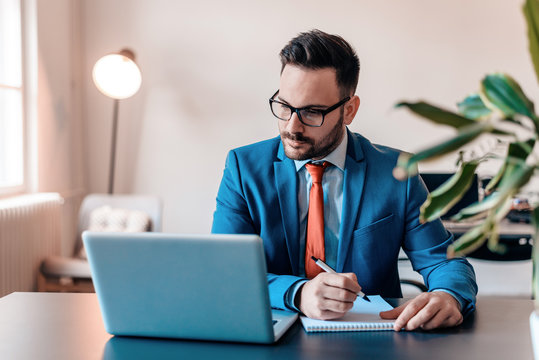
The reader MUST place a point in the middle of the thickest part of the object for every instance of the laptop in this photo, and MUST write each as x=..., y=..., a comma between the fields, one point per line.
x=205, y=287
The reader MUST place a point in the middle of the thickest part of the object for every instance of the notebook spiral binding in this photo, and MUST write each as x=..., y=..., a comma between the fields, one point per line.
x=356, y=327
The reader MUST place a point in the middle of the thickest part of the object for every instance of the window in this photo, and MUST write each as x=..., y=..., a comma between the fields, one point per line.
x=11, y=97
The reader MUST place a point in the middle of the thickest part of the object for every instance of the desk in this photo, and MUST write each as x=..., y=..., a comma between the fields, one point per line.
x=69, y=326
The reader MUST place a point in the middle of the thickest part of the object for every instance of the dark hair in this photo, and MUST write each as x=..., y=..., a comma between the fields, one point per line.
x=317, y=50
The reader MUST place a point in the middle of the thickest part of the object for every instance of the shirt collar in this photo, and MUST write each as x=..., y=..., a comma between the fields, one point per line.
x=337, y=157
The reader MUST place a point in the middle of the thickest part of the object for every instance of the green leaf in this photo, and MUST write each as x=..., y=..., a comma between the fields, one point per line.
x=521, y=149
x=493, y=243
x=441, y=200
x=444, y=117
x=535, y=222
x=496, y=179
x=502, y=92
x=478, y=208
x=470, y=241
x=473, y=107
x=531, y=12
x=476, y=236
x=513, y=121
x=502, y=209
x=517, y=152
x=407, y=163
x=515, y=176
x=437, y=115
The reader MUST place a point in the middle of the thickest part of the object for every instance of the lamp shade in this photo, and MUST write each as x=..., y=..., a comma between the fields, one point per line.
x=117, y=75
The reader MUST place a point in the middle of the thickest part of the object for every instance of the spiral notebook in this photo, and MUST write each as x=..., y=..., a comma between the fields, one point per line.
x=364, y=316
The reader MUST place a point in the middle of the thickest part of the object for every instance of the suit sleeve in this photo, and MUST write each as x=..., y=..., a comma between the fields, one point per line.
x=233, y=216
x=426, y=246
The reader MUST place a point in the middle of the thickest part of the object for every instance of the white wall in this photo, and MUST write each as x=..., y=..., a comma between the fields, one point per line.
x=59, y=151
x=59, y=100
x=210, y=66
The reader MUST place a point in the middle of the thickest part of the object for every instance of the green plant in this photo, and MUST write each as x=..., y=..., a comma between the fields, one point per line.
x=499, y=107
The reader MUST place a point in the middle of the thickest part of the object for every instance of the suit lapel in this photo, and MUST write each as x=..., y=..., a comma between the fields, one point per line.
x=354, y=179
x=286, y=184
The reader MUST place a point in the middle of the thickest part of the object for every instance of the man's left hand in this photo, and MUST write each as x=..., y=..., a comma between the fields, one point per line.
x=427, y=311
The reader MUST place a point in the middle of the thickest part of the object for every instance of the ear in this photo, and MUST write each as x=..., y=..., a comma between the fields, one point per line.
x=350, y=109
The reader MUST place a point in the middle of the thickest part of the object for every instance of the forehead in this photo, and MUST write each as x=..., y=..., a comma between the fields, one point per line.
x=300, y=86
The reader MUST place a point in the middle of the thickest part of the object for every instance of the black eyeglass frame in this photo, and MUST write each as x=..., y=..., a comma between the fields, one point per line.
x=297, y=110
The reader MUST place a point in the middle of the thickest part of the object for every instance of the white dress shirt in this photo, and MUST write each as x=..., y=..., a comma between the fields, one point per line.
x=332, y=185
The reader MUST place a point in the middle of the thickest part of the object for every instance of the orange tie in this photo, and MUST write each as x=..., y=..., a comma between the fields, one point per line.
x=315, y=221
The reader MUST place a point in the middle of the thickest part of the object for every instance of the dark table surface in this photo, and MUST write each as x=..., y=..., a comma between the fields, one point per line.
x=69, y=326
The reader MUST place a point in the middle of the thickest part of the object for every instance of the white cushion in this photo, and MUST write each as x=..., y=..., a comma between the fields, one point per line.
x=110, y=219
x=106, y=218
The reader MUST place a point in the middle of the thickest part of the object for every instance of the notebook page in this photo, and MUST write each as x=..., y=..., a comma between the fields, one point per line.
x=364, y=315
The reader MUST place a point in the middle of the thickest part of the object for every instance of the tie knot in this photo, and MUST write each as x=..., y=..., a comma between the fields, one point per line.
x=316, y=171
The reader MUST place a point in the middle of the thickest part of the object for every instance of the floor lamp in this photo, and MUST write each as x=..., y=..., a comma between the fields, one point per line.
x=117, y=76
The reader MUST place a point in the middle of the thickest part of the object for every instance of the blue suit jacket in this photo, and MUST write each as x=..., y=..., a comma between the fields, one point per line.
x=258, y=195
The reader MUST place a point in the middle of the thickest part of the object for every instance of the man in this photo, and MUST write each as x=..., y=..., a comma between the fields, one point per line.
x=355, y=216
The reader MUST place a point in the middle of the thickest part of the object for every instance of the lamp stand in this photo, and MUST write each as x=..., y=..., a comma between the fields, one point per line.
x=113, y=146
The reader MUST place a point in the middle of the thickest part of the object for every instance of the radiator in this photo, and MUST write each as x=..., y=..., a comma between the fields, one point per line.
x=30, y=230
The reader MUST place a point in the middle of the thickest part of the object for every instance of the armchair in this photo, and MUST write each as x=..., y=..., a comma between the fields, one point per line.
x=72, y=274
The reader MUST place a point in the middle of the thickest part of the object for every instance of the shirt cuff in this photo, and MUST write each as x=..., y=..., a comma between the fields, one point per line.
x=459, y=299
x=291, y=295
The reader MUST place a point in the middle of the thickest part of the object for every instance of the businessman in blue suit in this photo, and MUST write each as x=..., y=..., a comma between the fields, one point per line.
x=367, y=215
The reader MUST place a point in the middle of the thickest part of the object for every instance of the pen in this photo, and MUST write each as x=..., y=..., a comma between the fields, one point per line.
x=328, y=269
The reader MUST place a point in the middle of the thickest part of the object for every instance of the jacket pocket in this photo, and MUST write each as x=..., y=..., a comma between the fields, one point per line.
x=374, y=226
x=373, y=255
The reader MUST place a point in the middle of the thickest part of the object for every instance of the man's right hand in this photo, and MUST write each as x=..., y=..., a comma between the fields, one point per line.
x=328, y=296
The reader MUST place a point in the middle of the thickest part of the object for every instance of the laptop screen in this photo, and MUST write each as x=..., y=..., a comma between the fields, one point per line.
x=205, y=286
x=433, y=180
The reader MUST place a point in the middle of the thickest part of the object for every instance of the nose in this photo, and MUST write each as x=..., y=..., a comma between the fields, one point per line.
x=294, y=124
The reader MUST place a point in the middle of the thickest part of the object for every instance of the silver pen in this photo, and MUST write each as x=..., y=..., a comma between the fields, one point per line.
x=328, y=269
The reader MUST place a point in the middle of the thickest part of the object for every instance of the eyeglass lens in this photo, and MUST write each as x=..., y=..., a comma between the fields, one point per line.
x=307, y=116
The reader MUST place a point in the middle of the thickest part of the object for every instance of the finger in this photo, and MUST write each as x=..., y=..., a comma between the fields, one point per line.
x=411, y=309
x=340, y=281
x=338, y=307
x=351, y=276
x=441, y=321
x=353, y=283
x=430, y=313
x=439, y=312
x=393, y=313
x=327, y=315
x=338, y=294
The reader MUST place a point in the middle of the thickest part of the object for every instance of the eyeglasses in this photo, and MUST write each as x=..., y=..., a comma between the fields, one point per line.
x=307, y=115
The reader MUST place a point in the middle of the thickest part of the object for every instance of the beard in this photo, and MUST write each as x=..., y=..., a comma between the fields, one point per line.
x=312, y=149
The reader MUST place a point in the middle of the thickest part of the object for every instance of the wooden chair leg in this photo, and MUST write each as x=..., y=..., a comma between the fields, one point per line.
x=41, y=282
x=64, y=284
